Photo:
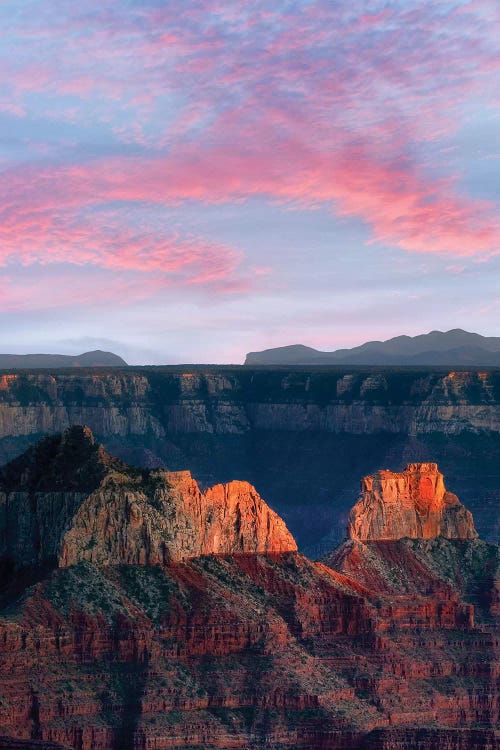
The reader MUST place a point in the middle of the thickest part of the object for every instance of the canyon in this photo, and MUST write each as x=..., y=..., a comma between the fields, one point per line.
x=301, y=437
x=383, y=644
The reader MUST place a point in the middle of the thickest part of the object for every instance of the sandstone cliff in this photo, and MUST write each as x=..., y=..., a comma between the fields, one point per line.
x=247, y=652
x=410, y=536
x=237, y=400
x=66, y=499
x=381, y=648
x=413, y=503
x=170, y=520
x=302, y=438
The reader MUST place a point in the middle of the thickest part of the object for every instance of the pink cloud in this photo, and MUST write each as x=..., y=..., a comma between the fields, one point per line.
x=342, y=60
x=44, y=236
x=69, y=289
x=79, y=86
x=402, y=205
x=12, y=108
x=321, y=104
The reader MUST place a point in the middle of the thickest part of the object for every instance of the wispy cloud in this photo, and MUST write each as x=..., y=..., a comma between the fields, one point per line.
x=303, y=103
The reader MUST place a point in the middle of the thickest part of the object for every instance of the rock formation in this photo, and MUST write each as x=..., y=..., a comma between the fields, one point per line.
x=67, y=499
x=118, y=631
x=8, y=743
x=409, y=535
x=413, y=503
x=249, y=652
x=302, y=437
x=431, y=739
x=170, y=520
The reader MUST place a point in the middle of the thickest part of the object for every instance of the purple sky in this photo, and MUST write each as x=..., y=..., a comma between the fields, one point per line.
x=190, y=181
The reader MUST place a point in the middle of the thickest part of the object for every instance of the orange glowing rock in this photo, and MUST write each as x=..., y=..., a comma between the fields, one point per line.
x=413, y=503
x=6, y=381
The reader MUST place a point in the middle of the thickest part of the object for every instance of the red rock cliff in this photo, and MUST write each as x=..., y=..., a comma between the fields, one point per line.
x=378, y=649
x=68, y=499
x=413, y=503
x=171, y=521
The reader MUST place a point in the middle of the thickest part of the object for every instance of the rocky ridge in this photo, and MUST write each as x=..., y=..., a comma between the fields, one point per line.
x=95, y=358
x=455, y=347
x=302, y=437
x=68, y=500
x=384, y=645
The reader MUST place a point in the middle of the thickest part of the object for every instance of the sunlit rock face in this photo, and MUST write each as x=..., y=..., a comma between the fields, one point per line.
x=171, y=520
x=136, y=635
x=303, y=437
x=69, y=501
x=413, y=503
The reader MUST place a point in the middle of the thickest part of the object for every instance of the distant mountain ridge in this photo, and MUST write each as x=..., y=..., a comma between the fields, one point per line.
x=95, y=358
x=448, y=348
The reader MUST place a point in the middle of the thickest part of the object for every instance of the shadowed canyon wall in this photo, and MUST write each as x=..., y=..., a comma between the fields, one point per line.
x=302, y=438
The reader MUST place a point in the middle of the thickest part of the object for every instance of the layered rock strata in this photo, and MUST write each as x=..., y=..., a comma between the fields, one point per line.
x=219, y=400
x=8, y=743
x=431, y=739
x=248, y=652
x=302, y=437
x=66, y=499
x=384, y=645
x=413, y=503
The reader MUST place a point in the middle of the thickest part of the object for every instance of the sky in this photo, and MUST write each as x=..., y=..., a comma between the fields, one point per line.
x=189, y=181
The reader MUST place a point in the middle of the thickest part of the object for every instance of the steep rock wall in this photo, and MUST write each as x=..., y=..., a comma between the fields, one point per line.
x=66, y=499
x=413, y=503
x=233, y=401
x=302, y=438
x=250, y=652
x=177, y=521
